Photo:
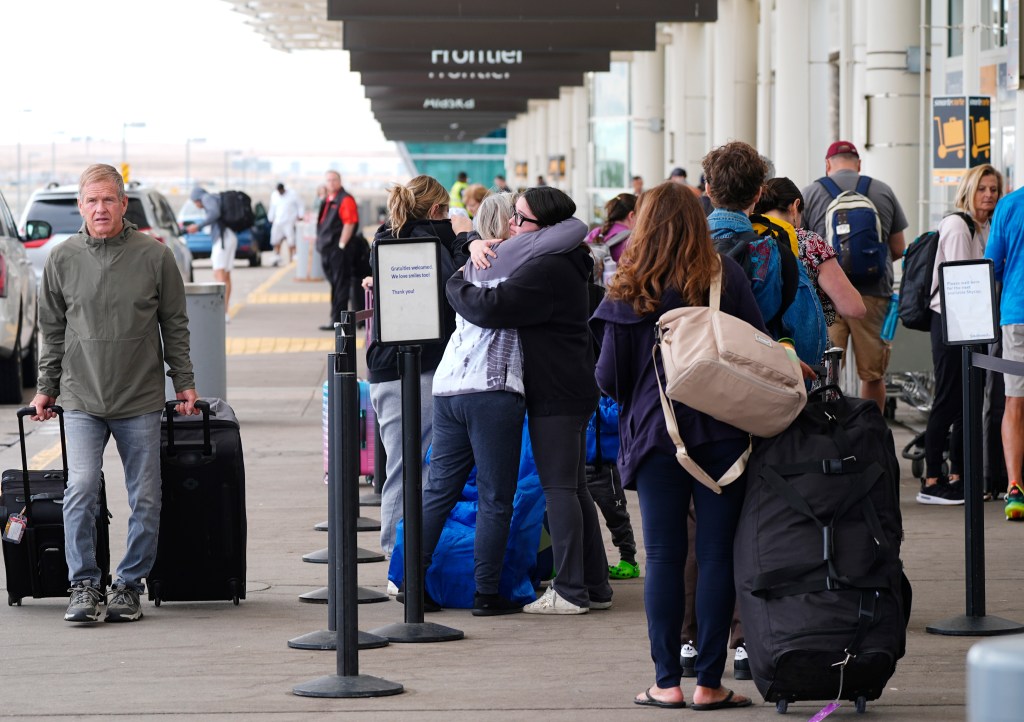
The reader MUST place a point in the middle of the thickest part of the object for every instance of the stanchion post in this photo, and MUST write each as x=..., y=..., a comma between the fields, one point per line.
x=975, y=623
x=414, y=629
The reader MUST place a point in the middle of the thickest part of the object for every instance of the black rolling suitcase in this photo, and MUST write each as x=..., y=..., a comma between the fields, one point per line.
x=36, y=567
x=819, y=580
x=201, y=549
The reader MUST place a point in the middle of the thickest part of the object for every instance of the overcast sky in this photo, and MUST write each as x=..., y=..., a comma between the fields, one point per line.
x=185, y=68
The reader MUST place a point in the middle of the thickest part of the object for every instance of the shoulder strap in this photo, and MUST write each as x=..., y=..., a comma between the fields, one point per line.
x=863, y=184
x=618, y=238
x=830, y=186
x=967, y=219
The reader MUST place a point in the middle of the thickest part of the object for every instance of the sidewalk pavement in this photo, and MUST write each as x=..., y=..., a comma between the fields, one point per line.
x=214, y=660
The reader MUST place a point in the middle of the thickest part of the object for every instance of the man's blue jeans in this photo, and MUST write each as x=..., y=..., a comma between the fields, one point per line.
x=138, y=443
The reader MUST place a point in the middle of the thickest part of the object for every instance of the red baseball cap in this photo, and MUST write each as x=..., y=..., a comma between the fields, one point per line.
x=841, y=147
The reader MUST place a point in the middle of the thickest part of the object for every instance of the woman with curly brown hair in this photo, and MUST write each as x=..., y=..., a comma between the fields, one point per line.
x=671, y=263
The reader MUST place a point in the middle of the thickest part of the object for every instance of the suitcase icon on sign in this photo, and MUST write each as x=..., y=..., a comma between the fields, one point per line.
x=981, y=137
x=951, y=136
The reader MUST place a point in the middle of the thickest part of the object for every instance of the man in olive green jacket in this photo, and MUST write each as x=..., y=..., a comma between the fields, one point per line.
x=108, y=295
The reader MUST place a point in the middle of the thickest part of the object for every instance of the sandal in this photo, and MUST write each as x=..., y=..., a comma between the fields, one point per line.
x=624, y=570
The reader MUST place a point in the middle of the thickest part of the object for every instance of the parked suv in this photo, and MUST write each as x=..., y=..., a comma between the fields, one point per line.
x=18, y=313
x=51, y=216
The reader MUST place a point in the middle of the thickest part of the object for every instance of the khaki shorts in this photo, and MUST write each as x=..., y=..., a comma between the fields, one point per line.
x=1013, y=350
x=871, y=351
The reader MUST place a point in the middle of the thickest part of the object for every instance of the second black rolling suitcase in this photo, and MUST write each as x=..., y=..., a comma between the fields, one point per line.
x=201, y=552
x=37, y=567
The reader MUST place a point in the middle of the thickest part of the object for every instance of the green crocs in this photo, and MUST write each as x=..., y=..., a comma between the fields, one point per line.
x=624, y=570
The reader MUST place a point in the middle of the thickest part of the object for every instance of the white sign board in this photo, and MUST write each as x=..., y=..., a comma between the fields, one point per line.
x=968, y=297
x=407, y=291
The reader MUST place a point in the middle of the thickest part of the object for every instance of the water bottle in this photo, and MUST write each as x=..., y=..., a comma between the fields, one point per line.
x=610, y=266
x=891, y=317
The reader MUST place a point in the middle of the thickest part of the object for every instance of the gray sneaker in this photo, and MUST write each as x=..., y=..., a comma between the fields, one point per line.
x=84, y=604
x=123, y=604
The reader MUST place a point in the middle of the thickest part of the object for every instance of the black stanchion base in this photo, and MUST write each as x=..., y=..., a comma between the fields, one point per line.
x=363, y=556
x=325, y=640
x=964, y=626
x=413, y=632
x=365, y=596
x=371, y=499
x=363, y=523
x=358, y=686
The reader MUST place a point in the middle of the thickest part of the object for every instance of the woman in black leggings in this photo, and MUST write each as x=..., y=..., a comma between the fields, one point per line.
x=962, y=237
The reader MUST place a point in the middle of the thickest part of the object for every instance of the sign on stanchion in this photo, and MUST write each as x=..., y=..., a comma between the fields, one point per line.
x=967, y=293
x=343, y=478
x=407, y=283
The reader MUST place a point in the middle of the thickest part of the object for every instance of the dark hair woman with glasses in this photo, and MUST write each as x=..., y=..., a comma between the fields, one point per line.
x=547, y=300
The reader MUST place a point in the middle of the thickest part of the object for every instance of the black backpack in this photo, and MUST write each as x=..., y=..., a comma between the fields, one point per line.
x=236, y=210
x=819, y=580
x=916, y=287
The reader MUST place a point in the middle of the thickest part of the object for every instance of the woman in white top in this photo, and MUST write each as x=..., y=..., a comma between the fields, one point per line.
x=962, y=237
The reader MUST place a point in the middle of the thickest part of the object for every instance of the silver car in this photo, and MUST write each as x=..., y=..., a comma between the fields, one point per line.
x=18, y=313
x=51, y=216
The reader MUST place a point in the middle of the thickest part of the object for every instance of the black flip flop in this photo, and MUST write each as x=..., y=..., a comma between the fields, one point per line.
x=652, y=702
x=726, y=703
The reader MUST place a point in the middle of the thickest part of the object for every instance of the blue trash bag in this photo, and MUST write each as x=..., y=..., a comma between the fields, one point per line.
x=450, y=579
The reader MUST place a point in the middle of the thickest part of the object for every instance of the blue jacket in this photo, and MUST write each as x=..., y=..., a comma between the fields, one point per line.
x=626, y=372
x=1006, y=248
x=211, y=206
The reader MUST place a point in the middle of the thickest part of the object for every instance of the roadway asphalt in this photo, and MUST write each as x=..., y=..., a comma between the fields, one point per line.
x=214, y=660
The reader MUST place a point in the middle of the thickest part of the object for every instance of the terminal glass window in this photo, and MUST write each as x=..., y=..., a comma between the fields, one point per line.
x=993, y=24
x=955, y=36
x=609, y=119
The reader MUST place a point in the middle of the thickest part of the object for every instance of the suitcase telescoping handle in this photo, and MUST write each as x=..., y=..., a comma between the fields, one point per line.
x=31, y=411
x=203, y=406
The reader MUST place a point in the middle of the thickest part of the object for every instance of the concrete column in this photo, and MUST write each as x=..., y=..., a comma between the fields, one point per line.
x=767, y=33
x=564, y=134
x=578, y=160
x=790, y=125
x=972, y=46
x=538, y=141
x=890, y=146
x=734, y=66
x=687, y=66
x=647, y=116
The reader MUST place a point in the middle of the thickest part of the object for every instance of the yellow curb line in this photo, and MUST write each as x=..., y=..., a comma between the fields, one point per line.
x=45, y=457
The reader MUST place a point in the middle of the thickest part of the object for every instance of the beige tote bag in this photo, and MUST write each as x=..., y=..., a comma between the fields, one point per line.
x=724, y=367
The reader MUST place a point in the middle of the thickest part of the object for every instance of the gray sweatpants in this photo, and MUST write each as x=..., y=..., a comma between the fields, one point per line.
x=386, y=398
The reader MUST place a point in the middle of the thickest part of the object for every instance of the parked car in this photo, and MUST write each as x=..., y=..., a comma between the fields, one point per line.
x=19, y=349
x=200, y=242
x=51, y=216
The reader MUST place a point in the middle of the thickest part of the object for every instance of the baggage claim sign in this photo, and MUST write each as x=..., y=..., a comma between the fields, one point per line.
x=961, y=136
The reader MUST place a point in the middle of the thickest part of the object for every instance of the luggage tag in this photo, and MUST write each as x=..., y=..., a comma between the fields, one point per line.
x=15, y=529
x=824, y=712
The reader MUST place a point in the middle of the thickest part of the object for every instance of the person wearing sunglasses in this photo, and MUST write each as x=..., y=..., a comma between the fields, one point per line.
x=547, y=299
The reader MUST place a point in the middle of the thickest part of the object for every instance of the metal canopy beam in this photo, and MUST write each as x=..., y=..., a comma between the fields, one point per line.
x=552, y=10
x=585, y=35
x=460, y=58
x=498, y=81
x=535, y=92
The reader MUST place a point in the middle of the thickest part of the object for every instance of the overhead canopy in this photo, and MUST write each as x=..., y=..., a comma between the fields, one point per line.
x=548, y=10
x=422, y=59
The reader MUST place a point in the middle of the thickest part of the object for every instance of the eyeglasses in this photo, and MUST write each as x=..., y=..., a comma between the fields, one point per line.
x=521, y=219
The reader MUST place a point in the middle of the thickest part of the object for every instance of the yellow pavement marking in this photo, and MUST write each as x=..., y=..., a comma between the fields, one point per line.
x=236, y=346
x=44, y=457
x=274, y=278
x=308, y=297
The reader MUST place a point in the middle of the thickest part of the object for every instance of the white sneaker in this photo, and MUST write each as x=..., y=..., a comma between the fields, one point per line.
x=392, y=589
x=688, y=658
x=551, y=603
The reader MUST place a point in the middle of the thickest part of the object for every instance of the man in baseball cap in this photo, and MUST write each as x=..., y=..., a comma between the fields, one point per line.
x=841, y=147
x=842, y=167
